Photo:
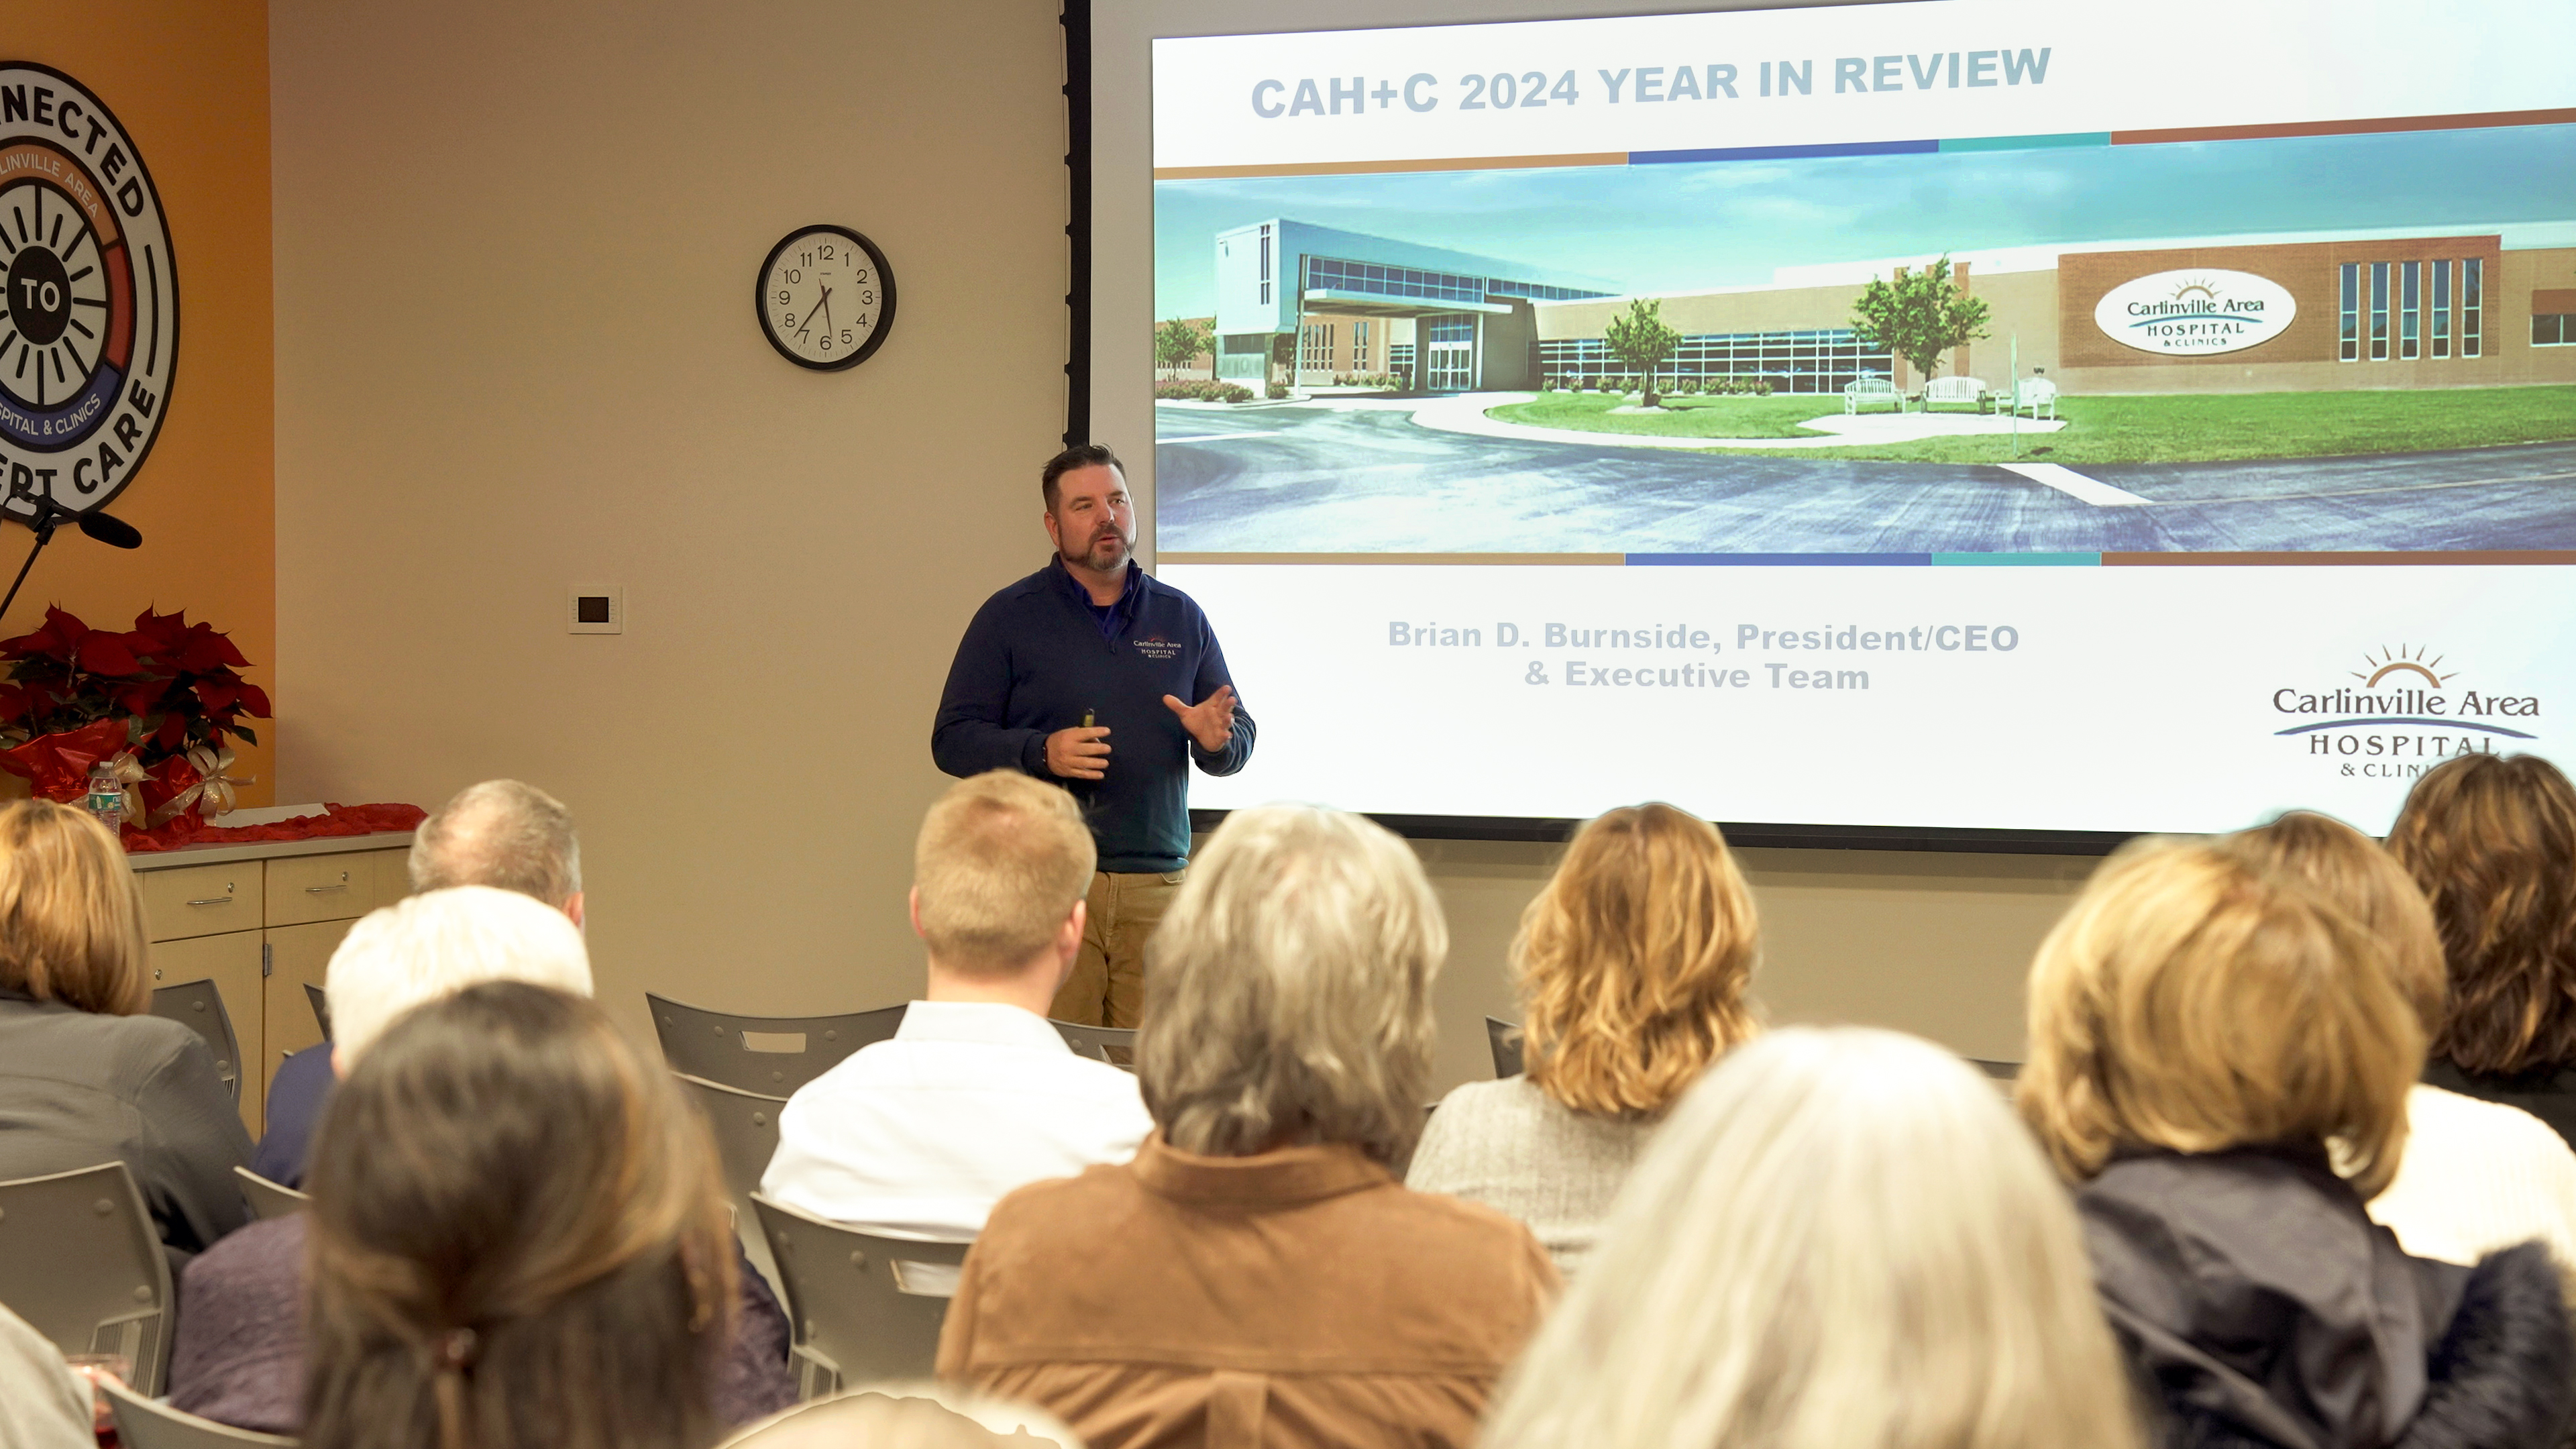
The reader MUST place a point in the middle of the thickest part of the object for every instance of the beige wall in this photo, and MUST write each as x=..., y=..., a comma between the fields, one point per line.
x=515, y=353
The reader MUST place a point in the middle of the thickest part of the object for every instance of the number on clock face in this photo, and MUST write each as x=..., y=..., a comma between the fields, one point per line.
x=826, y=298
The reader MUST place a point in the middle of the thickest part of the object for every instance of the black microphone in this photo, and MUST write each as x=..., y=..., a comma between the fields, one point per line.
x=114, y=532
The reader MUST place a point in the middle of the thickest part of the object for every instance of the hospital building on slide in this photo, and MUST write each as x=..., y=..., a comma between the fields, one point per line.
x=2374, y=309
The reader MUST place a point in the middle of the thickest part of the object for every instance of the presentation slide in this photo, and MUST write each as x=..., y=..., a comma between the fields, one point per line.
x=1967, y=414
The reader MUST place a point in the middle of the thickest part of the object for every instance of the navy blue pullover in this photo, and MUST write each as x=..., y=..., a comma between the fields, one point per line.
x=1035, y=660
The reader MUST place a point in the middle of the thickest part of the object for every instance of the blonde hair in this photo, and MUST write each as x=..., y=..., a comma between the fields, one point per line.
x=1840, y=1240
x=1633, y=963
x=71, y=915
x=2366, y=883
x=427, y=947
x=2194, y=1002
x=1000, y=862
x=1288, y=991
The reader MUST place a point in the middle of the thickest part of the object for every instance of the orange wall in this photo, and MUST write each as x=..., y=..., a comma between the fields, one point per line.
x=189, y=81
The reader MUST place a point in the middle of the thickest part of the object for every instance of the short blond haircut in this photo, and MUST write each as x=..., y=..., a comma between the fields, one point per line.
x=1000, y=862
x=1840, y=1239
x=2366, y=883
x=2193, y=1002
x=1633, y=963
x=1288, y=989
x=428, y=947
x=71, y=915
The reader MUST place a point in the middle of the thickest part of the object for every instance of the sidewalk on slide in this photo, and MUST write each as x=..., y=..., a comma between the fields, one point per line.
x=1465, y=413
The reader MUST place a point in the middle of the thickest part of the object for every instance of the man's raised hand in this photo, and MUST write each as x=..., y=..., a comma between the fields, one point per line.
x=1210, y=721
x=1080, y=753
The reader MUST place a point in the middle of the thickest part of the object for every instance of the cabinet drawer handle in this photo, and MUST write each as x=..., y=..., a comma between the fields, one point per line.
x=318, y=890
x=213, y=901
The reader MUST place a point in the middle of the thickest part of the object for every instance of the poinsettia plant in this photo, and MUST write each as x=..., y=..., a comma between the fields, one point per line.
x=175, y=684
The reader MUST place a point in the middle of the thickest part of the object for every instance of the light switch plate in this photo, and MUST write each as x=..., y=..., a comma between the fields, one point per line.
x=595, y=609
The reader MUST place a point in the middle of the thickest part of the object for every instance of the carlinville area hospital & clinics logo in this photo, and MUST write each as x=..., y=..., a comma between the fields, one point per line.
x=89, y=332
x=2403, y=711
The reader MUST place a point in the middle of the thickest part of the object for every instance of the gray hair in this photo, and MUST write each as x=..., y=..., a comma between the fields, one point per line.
x=504, y=834
x=1841, y=1239
x=426, y=947
x=1289, y=991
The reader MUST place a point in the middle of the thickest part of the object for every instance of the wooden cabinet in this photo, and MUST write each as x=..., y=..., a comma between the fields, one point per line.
x=261, y=921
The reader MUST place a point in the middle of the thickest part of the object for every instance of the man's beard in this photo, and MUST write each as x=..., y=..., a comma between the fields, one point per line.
x=1091, y=555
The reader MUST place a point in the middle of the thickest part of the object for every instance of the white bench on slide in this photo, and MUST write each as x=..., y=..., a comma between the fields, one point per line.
x=2036, y=394
x=1869, y=389
x=1969, y=390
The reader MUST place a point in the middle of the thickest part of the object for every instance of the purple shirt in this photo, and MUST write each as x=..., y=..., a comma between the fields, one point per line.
x=239, y=1355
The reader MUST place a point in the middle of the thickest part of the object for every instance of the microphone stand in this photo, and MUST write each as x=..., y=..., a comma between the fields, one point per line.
x=44, y=527
x=50, y=515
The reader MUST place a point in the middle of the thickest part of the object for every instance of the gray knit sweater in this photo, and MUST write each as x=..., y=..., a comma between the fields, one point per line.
x=1512, y=1147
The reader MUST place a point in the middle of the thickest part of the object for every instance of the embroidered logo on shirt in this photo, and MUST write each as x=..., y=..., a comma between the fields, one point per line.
x=1156, y=648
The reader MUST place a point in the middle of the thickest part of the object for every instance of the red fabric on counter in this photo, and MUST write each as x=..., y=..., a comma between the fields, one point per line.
x=336, y=820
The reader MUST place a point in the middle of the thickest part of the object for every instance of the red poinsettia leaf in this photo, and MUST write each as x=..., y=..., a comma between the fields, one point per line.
x=139, y=698
x=64, y=626
x=207, y=651
x=254, y=702
x=104, y=653
x=215, y=695
x=166, y=629
x=174, y=729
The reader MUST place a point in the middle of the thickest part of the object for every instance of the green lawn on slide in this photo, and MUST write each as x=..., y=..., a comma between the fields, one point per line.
x=2174, y=428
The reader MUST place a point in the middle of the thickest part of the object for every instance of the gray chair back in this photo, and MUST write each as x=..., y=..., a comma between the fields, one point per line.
x=320, y=1001
x=1095, y=1041
x=143, y=1424
x=270, y=1199
x=854, y=1322
x=199, y=1007
x=770, y=1055
x=1505, y=1040
x=80, y=1260
x=745, y=1126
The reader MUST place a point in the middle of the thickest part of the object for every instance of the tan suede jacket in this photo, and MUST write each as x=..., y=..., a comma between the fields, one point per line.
x=1301, y=1297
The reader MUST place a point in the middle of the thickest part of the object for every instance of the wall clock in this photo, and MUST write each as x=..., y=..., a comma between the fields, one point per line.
x=825, y=298
x=89, y=333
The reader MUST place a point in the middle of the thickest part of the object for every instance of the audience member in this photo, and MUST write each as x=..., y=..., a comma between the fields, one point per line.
x=2200, y=1030
x=43, y=1404
x=2476, y=1176
x=501, y=833
x=239, y=1356
x=1258, y=1274
x=2492, y=840
x=975, y=1095
x=86, y=1076
x=1841, y=1240
x=1632, y=967
x=519, y=1239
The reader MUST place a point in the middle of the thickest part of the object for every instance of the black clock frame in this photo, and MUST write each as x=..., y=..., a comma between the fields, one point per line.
x=885, y=313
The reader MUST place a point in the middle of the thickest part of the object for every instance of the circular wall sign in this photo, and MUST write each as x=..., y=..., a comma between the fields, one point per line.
x=2195, y=313
x=89, y=333
x=825, y=297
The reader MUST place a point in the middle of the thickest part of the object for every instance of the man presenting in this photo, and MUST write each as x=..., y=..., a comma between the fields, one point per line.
x=1095, y=675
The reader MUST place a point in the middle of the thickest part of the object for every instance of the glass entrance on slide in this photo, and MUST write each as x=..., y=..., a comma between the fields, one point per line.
x=1449, y=352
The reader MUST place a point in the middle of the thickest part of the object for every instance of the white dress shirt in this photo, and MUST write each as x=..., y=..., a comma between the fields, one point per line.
x=919, y=1136
x=2478, y=1176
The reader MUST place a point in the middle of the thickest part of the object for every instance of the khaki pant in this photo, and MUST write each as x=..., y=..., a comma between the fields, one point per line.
x=1107, y=987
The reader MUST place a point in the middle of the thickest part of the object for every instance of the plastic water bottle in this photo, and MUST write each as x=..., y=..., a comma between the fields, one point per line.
x=106, y=795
